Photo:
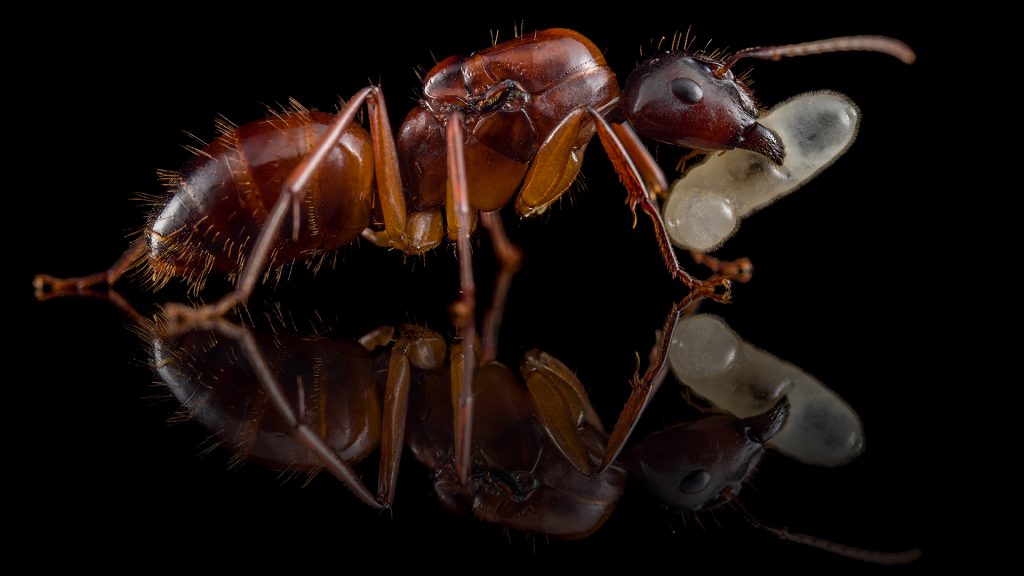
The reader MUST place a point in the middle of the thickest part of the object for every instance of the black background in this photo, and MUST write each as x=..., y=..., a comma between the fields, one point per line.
x=840, y=289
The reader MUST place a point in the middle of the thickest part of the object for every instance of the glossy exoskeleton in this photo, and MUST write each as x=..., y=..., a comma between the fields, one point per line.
x=519, y=478
x=292, y=401
x=300, y=402
x=509, y=122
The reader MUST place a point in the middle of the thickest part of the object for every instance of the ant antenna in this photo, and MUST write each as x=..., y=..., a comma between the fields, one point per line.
x=872, y=556
x=882, y=44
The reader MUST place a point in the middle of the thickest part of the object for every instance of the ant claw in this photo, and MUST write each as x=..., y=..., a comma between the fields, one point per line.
x=718, y=289
x=47, y=286
x=44, y=286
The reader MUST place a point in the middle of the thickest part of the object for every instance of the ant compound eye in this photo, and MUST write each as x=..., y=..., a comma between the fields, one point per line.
x=694, y=482
x=687, y=91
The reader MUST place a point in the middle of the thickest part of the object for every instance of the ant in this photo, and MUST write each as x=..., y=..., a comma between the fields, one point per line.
x=508, y=122
x=294, y=401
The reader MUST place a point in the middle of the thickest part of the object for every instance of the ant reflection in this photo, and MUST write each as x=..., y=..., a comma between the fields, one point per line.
x=716, y=364
x=506, y=125
x=292, y=400
x=296, y=401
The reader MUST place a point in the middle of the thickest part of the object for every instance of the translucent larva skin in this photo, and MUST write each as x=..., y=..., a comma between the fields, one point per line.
x=707, y=204
x=219, y=202
x=715, y=363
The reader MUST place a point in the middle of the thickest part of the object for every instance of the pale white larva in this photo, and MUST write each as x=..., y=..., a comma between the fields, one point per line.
x=716, y=364
x=707, y=204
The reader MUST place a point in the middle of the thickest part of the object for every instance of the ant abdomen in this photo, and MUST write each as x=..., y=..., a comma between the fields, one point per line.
x=222, y=198
x=331, y=380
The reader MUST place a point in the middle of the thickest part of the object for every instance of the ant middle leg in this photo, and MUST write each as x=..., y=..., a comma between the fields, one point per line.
x=509, y=258
x=463, y=311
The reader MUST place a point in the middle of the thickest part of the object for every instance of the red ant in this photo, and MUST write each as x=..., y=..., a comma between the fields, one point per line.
x=510, y=121
x=292, y=401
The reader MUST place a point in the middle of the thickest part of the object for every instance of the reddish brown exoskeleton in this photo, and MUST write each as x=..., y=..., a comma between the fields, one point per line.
x=520, y=478
x=510, y=121
x=297, y=401
x=292, y=400
x=301, y=402
x=677, y=466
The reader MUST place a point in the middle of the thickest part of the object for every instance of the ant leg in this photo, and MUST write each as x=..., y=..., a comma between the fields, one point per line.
x=417, y=347
x=640, y=174
x=389, y=189
x=554, y=167
x=509, y=257
x=378, y=238
x=463, y=311
x=741, y=269
x=681, y=168
x=396, y=406
x=376, y=338
x=644, y=387
x=562, y=407
x=303, y=433
x=557, y=162
x=47, y=286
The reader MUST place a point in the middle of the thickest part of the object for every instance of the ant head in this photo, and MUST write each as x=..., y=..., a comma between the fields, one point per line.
x=704, y=463
x=695, y=101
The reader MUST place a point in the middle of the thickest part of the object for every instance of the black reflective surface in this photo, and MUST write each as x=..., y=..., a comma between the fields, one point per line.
x=837, y=291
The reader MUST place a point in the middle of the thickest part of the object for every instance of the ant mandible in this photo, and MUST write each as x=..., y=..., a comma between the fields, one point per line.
x=515, y=117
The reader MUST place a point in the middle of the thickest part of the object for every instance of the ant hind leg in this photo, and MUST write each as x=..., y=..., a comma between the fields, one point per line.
x=294, y=190
x=510, y=258
x=47, y=286
x=739, y=270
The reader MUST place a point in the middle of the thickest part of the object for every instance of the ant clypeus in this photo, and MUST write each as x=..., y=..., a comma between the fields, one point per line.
x=509, y=122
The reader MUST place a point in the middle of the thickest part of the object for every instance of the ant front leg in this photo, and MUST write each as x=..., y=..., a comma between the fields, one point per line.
x=563, y=409
x=557, y=163
x=644, y=387
x=641, y=176
x=740, y=270
x=510, y=258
